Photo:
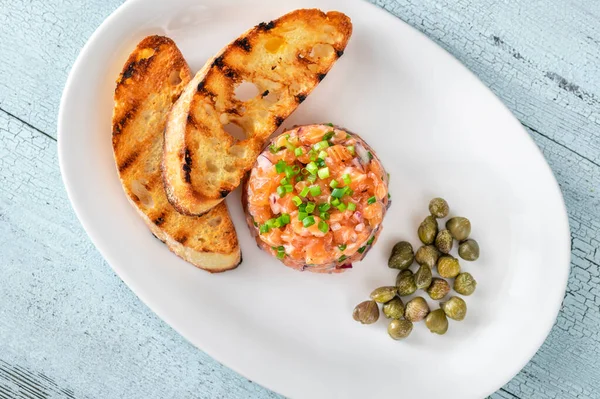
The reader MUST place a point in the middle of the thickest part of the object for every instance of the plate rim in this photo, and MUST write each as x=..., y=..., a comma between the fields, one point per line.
x=150, y=302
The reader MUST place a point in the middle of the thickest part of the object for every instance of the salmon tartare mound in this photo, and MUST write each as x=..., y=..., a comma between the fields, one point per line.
x=316, y=198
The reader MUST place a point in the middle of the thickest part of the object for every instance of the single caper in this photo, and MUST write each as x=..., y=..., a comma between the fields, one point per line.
x=416, y=309
x=394, y=309
x=428, y=230
x=406, y=283
x=444, y=241
x=427, y=255
x=459, y=227
x=448, y=266
x=455, y=308
x=438, y=289
x=469, y=249
x=400, y=329
x=437, y=322
x=439, y=208
x=402, y=256
x=465, y=284
x=366, y=312
x=423, y=277
x=384, y=294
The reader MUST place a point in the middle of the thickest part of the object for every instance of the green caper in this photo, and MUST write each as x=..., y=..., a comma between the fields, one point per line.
x=469, y=249
x=438, y=289
x=437, y=322
x=416, y=309
x=423, y=277
x=459, y=227
x=428, y=230
x=448, y=266
x=406, y=283
x=366, y=312
x=402, y=256
x=465, y=284
x=455, y=308
x=439, y=208
x=444, y=241
x=427, y=255
x=400, y=329
x=394, y=309
x=383, y=294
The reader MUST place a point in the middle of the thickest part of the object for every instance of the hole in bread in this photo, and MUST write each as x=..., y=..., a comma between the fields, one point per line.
x=142, y=194
x=145, y=53
x=215, y=222
x=175, y=78
x=211, y=167
x=272, y=97
x=246, y=91
x=322, y=51
x=274, y=44
x=235, y=131
x=237, y=151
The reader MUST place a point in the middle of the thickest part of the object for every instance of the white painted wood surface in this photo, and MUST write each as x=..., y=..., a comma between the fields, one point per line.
x=70, y=328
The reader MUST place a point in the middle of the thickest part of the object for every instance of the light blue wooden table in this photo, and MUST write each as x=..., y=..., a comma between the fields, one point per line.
x=69, y=328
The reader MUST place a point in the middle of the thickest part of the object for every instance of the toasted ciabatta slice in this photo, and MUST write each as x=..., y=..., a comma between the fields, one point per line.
x=285, y=59
x=152, y=79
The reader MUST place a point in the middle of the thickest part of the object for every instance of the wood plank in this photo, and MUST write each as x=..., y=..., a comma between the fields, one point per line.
x=65, y=314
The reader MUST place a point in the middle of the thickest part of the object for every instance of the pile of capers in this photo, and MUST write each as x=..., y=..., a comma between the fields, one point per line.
x=434, y=253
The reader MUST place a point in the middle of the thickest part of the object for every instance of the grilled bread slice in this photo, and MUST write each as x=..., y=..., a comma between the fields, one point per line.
x=152, y=79
x=285, y=60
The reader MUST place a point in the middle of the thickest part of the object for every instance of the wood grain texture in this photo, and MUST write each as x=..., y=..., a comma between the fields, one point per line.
x=66, y=316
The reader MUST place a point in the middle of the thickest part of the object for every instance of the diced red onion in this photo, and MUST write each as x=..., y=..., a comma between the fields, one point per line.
x=336, y=227
x=362, y=153
x=358, y=216
x=359, y=227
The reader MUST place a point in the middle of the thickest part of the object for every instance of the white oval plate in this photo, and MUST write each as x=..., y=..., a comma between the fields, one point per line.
x=436, y=128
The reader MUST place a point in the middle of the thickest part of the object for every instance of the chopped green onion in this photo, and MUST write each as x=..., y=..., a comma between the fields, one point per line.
x=302, y=215
x=329, y=124
x=298, y=152
x=281, y=191
x=288, y=188
x=346, y=178
x=370, y=155
x=350, y=149
x=342, y=247
x=312, y=154
x=323, y=173
x=348, y=135
x=297, y=200
x=389, y=196
x=290, y=146
x=328, y=135
x=321, y=145
x=304, y=192
x=350, y=192
x=341, y=207
x=311, y=178
x=270, y=223
x=372, y=200
x=310, y=207
x=361, y=250
x=308, y=221
x=335, y=202
x=371, y=240
x=351, y=206
x=254, y=222
x=334, y=183
x=324, y=207
x=280, y=166
x=284, y=181
x=339, y=192
x=264, y=229
x=285, y=219
x=287, y=136
x=312, y=168
x=323, y=227
x=280, y=252
x=324, y=215
x=342, y=258
x=322, y=155
x=320, y=163
x=302, y=207
x=289, y=172
x=278, y=223
x=315, y=190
